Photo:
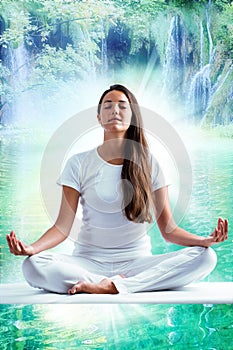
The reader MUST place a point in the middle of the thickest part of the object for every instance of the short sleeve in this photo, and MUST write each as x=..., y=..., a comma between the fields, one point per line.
x=158, y=177
x=71, y=174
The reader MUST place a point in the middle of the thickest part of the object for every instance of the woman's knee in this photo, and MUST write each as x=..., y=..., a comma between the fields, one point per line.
x=30, y=268
x=207, y=259
x=211, y=258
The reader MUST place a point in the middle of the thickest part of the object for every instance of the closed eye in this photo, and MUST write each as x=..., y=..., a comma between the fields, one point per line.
x=121, y=106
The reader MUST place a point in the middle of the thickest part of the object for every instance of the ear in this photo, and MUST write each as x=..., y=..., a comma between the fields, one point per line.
x=98, y=118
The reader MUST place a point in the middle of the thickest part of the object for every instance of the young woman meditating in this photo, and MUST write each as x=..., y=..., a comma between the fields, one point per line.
x=121, y=188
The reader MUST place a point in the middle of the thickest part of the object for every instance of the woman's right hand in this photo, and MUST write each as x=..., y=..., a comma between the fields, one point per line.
x=17, y=247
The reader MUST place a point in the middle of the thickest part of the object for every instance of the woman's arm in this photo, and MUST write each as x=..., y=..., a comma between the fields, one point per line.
x=174, y=234
x=56, y=234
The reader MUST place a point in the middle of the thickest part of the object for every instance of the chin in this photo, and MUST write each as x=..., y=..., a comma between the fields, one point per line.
x=118, y=130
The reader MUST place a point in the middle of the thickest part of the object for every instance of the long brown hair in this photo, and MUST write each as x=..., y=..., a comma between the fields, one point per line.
x=136, y=166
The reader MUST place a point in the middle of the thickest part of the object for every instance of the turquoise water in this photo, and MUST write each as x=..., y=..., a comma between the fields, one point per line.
x=178, y=327
x=114, y=326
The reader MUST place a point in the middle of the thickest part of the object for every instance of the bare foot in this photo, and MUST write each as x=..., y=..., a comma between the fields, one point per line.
x=106, y=286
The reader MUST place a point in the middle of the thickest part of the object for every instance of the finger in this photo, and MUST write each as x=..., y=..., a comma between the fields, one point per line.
x=10, y=244
x=14, y=239
x=216, y=234
x=222, y=232
x=225, y=230
x=12, y=234
x=8, y=238
x=19, y=247
x=13, y=243
x=16, y=246
x=226, y=226
x=22, y=248
x=220, y=221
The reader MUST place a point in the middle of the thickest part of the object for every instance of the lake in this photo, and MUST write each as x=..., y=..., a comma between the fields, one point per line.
x=114, y=326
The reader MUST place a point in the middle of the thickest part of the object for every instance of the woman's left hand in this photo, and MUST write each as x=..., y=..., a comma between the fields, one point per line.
x=220, y=233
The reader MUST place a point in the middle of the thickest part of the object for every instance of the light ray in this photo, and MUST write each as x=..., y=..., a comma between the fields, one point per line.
x=148, y=72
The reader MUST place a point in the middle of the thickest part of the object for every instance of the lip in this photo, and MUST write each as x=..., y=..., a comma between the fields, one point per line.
x=114, y=119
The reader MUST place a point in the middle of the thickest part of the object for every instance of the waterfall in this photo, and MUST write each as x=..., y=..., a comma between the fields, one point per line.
x=173, y=51
x=175, y=57
x=201, y=44
x=19, y=63
x=199, y=92
x=211, y=51
x=104, y=51
x=90, y=55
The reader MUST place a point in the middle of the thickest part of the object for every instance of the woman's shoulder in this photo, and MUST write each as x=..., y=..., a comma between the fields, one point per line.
x=153, y=159
x=80, y=157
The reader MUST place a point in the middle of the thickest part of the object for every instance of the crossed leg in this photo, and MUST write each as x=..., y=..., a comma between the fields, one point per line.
x=67, y=274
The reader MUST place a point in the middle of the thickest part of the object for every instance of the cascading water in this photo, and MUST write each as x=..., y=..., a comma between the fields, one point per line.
x=199, y=92
x=176, y=63
x=90, y=55
x=175, y=57
x=104, y=52
x=201, y=45
x=211, y=50
x=19, y=63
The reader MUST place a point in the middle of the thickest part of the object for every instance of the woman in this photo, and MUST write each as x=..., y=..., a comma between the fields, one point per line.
x=118, y=184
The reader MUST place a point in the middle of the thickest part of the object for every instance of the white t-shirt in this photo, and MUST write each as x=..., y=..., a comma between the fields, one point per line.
x=106, y=234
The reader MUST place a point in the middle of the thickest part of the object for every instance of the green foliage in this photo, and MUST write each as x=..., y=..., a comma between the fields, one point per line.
x=50, y=13
x=17, y=19
x=80, y=21
x=221, y=4
x=221, y=108
x=223, y=131
x=139, y=16
x=57, y=64
x=223, y=30
x=184, y=3
x=86, y=22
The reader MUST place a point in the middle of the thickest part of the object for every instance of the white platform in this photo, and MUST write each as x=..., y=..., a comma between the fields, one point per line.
x=200, y=293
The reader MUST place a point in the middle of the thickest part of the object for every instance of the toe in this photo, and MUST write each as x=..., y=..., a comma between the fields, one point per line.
x=72, y=290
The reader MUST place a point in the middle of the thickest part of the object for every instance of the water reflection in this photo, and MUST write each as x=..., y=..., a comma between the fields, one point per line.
x=113, y=326
x=20, y=204
x=116, y=327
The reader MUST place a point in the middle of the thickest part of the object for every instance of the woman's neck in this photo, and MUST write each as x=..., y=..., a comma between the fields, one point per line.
x=112, y=150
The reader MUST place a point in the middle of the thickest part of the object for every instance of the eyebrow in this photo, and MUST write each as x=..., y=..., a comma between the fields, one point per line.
x=107, y=101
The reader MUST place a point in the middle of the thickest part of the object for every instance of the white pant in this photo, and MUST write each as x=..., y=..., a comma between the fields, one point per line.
x=59, y=272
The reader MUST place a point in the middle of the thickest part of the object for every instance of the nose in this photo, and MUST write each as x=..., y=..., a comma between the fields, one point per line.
x=115, y=108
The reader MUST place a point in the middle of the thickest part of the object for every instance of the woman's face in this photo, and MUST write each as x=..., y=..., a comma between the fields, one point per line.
x=115, y=112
